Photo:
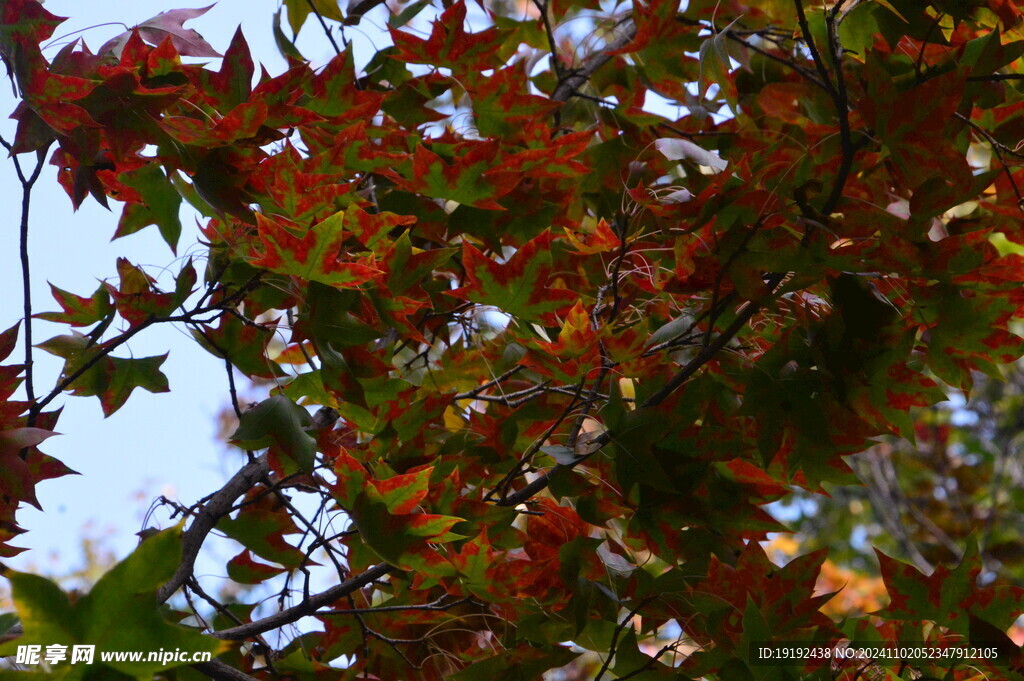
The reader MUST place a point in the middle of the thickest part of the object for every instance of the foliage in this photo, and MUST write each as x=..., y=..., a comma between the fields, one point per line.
x=960, y=479
x=566, y=346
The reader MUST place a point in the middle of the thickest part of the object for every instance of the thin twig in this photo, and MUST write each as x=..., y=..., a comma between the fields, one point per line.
x=206, y=519
x=26, y=279
x=307, y=607
x=615, y=638
x=323, y=24
x=572, y=82
x=843, y=111
x=113, y=344
x=439, y=604
x=808, y=75
x=805, y=29
x=556, y=65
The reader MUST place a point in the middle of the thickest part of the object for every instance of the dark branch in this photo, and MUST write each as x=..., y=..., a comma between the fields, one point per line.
x=356, y=12
x=567, y=87
x=206, y=519
x=323, y=25
x=842, y=110
x=26, y=279
x=306, y=607
x=805, y=29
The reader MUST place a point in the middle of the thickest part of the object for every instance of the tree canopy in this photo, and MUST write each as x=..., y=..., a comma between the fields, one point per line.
x=553, y=300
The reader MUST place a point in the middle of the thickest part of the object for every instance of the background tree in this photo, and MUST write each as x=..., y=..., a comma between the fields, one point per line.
x=551, y=351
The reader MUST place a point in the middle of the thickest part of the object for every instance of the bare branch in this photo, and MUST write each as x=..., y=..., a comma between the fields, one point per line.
x=323, y=25
x=438, y=605
x=575, y=80
x=206, y=519
x=26, y=280
x=306, y=607
x=805, y=29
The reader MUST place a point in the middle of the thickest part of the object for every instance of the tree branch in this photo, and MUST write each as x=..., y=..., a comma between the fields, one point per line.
x=615, y=638
x=113, y=344
x=805, y=29
x=26, y=280
x=842, y=109
x=568, y=87
x=306, y=607
x=323, y=25
x=206, y=519
x=438, y=605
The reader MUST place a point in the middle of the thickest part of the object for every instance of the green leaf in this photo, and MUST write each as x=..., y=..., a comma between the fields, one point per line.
x=407, y=14
x=120, y=613
x=245, y=345
x=44, y=610
x=278, y=421
x=948, y=596
x=327, y=319
x=79, y=311
x=262, y=531
x=400, y=539
x=519, y=286
x=857, y=30
x=285, y=46
x=315, y=254
x=112, y=379
x=160, y=206
x=299, y=10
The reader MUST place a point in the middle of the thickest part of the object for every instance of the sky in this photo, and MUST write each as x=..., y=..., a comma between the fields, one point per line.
x=157, y=443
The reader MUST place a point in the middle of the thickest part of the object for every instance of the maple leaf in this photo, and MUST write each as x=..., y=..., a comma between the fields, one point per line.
x=24, y=24
x=449, y=45
x=502, y=104
x=520, y=286
x=301, y=192
x=136, y=297
x=261, y=527
x=244, y=570
x=948, y=596
x=232, y=85
x=676, y=149
x=401, y=539
x=159, y=204
x=244, y=345
x=600, y=239
x=17, y=480
x=575, y=352
x=299, y=11
x=471, y=179
x=169, y=24
x=241, y=123
x=278, y=422
x=316, y=255
x=111, y=379
x=115, y=612
x=79, y=311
